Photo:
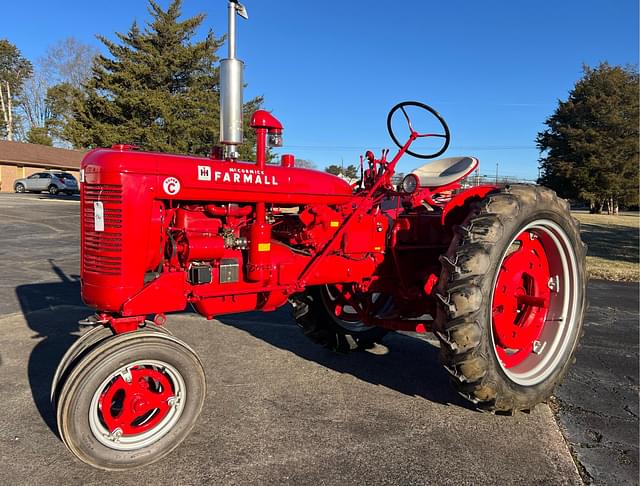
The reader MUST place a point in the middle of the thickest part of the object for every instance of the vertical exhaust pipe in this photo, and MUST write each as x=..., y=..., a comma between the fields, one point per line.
x=231, y=88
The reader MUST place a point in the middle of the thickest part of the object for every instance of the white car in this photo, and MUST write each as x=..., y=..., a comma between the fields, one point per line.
x=53, y=182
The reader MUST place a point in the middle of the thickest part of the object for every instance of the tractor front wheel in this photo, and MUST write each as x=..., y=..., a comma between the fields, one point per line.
x=512, y=298
x=82, y=345
x=130, y=400
x=329, y=315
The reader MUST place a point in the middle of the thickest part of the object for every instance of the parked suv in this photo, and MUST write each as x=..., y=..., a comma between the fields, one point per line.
x=51, y=181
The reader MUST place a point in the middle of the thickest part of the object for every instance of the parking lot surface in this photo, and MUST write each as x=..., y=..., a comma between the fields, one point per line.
x=278, y=409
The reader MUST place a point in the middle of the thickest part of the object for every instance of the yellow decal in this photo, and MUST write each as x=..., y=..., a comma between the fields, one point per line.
x=377, y=248
x=334, y=224
x=264, y=246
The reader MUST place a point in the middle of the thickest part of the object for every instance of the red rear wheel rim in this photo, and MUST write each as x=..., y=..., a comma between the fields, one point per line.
x=536, y=302
x=520, y=299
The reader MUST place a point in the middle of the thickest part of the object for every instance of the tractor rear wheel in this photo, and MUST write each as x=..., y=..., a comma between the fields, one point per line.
x=130, y=400
x=328, y=316
x=512, y=299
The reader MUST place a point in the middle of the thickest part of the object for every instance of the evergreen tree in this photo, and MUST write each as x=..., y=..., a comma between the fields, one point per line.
x=39, y=135
x=158, y=89
x=351, y=172
x=333, y=169
x=590, y=148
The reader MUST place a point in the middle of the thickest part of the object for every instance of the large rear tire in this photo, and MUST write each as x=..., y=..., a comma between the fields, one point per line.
x=327, y=321
x=131, y=400
x=512, y=299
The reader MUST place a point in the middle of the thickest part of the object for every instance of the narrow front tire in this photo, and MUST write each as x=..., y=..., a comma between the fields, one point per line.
x=131, y=400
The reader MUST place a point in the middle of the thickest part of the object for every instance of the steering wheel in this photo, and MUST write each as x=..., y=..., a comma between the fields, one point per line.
x=446, y=135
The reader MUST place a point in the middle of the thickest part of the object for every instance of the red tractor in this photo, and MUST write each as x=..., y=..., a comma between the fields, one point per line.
x=497, y=273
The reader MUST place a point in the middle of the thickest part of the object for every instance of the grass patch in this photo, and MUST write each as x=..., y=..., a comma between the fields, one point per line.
x=614, y=245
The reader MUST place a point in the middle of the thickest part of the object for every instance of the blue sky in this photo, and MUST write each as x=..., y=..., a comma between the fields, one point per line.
x=331, y=70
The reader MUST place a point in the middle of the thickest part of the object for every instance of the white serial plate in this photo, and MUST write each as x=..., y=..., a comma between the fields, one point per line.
x=98, y=216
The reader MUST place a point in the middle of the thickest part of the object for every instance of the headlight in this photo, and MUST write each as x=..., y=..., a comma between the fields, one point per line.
x=274, y=138
x=410, y=183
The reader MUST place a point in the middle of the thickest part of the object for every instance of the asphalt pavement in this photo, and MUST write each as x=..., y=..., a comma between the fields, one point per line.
x=597, y=406
x=280, y=410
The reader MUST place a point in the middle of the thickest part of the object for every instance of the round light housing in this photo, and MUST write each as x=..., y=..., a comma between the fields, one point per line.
x=410, y=183
x=274, y=138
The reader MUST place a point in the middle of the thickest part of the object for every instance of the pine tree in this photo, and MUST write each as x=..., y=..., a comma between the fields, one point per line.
x=333, y=169
x=590, y=149
x=351, y=172
x=158, y=89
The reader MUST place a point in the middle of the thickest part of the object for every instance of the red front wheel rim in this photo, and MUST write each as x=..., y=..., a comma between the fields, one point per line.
x=137, y=401
x=137, y=405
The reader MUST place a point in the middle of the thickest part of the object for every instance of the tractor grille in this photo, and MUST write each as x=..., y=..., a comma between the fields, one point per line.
x=102, y=250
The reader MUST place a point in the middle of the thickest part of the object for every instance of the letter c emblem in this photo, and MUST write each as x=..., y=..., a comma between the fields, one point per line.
x=171, y=186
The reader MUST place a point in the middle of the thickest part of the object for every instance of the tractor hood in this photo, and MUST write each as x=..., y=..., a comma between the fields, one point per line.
x=199, y=178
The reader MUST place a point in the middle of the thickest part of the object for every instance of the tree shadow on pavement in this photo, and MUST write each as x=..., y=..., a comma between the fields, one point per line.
x=410, y=367
x=52, y=310
x=613, y=242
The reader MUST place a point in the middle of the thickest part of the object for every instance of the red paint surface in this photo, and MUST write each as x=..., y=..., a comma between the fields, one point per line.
x=261, y=232
x=520, y=300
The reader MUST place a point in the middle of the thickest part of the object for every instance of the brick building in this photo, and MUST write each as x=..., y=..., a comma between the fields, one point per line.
x=18, y=160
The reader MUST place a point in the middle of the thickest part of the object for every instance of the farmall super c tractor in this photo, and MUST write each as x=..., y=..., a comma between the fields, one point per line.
x=496, y=273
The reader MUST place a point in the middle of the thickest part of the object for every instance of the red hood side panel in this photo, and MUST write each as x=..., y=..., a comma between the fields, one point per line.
x=195, y=178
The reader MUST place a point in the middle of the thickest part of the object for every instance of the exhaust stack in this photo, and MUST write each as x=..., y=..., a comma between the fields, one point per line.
x=231, y=88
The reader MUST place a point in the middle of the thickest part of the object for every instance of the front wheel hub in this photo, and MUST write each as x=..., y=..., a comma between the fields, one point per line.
x=135, y=406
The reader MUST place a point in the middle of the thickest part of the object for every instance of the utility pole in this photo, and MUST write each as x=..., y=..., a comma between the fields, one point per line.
x=497, y=163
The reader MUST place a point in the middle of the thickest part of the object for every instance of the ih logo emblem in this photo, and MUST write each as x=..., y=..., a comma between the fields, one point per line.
x=171, y=186
x=204, y=173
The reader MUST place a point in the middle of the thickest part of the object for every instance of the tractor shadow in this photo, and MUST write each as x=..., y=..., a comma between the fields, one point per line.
x=410, y=367
x=52, y=311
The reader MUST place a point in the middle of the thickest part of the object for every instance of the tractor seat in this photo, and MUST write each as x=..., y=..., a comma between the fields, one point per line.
x=445, y=171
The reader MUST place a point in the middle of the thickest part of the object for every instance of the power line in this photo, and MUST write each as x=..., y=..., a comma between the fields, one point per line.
x=370, y=147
